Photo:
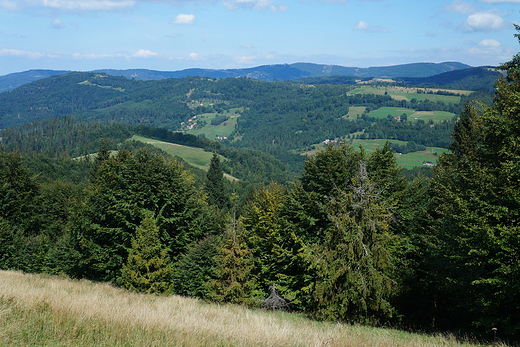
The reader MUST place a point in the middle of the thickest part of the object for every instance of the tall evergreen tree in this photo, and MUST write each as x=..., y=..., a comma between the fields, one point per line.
x=215, y=184
x=478, y=192
x=148, y=268
x=355, y=265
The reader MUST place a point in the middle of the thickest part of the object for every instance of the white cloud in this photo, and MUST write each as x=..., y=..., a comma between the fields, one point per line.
x=489, y=43
x=184, y=19
x=8, y=5
x=364, y=26
x=92, y=56
x=57, y=24
x=259, y=5
x=68, y=5
x=245, y=45
x=87, y=5
x=484, y=21
x=460, y=7
x=18, y=53
x=143, y=53
x=193, y=56
x=245, y=59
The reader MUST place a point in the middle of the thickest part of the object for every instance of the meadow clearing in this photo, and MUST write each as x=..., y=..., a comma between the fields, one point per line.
x=41, y=310
x=409, y=93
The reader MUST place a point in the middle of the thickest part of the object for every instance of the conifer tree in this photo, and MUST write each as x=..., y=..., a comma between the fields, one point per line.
x=234, y=263
x=215, y=184
x=355, y=263
x=477, y=189
x=148, y=268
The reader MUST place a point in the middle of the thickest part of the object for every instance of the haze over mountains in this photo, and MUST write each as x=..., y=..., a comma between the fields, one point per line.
x=281, y=72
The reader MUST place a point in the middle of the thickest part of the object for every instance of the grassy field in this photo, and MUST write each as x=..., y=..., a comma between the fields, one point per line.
x=38, y=310
x=436, y=116
x=193, y=156
x=404, y=93
x=212, y=131
x=408, y=161
x=355, y=111
x=383, y=112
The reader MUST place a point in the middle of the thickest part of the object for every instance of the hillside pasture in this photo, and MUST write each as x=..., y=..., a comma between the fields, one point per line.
x=355, y=111
x=415, y=159
x=409, y=93
x=41, y=310
x=383, y=112
x=408, y=161
x=213, y=131
x=436, y=116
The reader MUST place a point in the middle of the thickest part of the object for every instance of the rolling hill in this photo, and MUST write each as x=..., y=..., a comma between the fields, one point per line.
x=280, y=72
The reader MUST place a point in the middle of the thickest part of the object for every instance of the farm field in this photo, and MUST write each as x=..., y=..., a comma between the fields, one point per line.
x=408, y=161
x=212, y=132
x=193, y=156
x=405, y=93
x=355, y=111
x=42, y=310
x=383, y=112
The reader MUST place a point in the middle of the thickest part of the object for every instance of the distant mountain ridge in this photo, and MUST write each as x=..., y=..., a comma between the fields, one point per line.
x=280, y=72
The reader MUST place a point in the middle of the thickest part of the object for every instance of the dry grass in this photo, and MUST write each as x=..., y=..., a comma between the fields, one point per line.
x=49, y=311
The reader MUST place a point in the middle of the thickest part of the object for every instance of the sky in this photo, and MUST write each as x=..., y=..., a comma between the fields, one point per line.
x=169, y=35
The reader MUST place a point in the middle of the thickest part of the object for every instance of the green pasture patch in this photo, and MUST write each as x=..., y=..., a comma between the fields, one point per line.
x=408, y=161
x=193, y=156
x=409, y=93
x=432, y=97
x=213, y=131
x=355, y=111
x=416, y=159
x=383, y=112
x=88, y=83
x=436, y=116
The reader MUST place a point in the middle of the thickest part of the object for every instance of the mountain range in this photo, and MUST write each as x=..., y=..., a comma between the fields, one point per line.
x=279, y=72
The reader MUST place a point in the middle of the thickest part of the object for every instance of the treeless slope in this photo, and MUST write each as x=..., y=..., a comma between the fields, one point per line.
x=44, y=310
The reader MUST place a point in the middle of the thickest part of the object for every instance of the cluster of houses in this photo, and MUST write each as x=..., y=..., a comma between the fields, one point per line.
x=221, y=137
x=327, y=141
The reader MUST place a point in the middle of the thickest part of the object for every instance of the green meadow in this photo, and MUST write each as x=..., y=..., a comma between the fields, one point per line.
x=405, y=93
x=383, y=112
x=213, y=131
x=408, y=161
x=196, y=157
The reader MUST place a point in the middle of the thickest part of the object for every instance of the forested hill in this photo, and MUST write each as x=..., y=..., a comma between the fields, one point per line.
x=279, y=118
x=280, y=72
x=475, y=78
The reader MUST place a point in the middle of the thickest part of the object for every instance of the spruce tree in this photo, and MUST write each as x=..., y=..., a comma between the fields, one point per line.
x=477, y=189
x=215, y=184
x=148, y=268
x=355, y=263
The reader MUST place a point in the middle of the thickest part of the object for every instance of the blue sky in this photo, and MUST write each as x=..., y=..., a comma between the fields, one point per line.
x=221, y=34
